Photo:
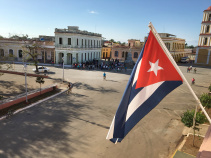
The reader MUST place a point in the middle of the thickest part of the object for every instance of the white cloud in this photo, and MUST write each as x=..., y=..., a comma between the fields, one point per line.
x=93, y=12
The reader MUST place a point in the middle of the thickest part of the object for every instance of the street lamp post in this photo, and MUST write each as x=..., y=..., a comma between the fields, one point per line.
x=63, y=68
x=25, y=70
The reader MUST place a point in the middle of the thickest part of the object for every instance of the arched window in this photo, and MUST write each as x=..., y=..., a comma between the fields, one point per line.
x=205, y=41
x=1, y=52
x=207, y=28
x=103, y=55
x=106, y=55
x=135, y=55
x=10, y=53
x=116, y=53
x=20, y=53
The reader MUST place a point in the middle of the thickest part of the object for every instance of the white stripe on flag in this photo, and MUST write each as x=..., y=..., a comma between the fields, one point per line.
x=111, y=130
x=141, y=97
x=137, y=72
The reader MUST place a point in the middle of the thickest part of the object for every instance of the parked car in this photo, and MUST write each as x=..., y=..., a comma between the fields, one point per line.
x=42, y=69
x=185, y=59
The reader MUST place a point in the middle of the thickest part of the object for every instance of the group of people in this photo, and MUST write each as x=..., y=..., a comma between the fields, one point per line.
x=190, y=68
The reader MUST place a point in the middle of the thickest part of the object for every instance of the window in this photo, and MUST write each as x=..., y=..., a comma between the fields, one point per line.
x=94, y=54
x=123, y=54
x=88, y=56
x=94, y=42
x=91, y=42
x=116, y=53
x=10, y=53
x=207, y=28
x=106, y=55
x=60, y=40
x=103, y=55
x=82, y=41
x=85, y=56
x=209, y=17
x=77, y=41
x=69, y=41
x=205, y=41
x=135, y=55
x=85, y=42
x=1, y=52
x=91, y=55
x=20, y=53
x=81, y=57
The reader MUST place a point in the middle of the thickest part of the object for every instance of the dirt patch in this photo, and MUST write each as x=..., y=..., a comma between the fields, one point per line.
x=188, y=146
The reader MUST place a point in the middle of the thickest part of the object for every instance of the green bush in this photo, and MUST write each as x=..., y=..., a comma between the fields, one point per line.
x=187, y=118
x=209, y=88
x=205, y=100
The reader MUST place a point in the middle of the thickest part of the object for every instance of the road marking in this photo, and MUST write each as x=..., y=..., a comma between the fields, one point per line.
x=167, y=112
x=176, y=113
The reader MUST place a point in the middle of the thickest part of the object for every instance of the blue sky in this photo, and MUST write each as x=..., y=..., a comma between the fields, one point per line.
x=114, y=19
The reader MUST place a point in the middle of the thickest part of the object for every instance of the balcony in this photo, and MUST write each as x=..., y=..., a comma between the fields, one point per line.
x=70, y=46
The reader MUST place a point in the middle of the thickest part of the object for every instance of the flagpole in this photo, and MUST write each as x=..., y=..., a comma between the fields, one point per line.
x=177, y=68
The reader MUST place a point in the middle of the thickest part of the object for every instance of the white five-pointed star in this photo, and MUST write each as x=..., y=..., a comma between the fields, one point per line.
x=154, y=67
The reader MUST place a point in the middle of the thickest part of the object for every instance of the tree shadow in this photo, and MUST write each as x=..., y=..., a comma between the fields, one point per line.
x=12, y=89
x=42, y=129
x=80, y=85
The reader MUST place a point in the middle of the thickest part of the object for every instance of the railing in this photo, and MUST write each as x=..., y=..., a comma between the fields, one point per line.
x=70, y=46
x=24, y=94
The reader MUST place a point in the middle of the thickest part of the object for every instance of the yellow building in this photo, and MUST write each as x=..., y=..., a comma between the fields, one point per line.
x=106, y=53
x=204, y=44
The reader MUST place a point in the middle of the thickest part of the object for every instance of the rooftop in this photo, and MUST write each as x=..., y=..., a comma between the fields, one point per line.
x=74, y=29
x=208, y=9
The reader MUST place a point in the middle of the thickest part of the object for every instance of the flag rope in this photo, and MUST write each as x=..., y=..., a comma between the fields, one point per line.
x=177, y=68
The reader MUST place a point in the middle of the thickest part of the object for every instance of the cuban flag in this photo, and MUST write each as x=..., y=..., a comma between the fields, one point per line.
x=152, y=78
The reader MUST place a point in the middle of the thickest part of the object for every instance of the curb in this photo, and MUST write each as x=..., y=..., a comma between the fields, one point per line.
x=40, y=101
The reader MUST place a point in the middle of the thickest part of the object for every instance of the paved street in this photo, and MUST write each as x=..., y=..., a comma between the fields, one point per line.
x=76, y=125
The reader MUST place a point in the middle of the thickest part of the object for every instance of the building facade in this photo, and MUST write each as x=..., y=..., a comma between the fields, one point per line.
x=204, y=43
x=14, y=48
x=75, y=46
x=121, y=52
x=105, y=53
x=176, y=46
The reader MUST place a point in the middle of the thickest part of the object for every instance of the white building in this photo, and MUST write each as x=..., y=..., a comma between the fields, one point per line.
x=76, y=46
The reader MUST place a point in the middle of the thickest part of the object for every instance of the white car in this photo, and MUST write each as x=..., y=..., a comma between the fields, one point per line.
x=185, y=59
x=42, y=69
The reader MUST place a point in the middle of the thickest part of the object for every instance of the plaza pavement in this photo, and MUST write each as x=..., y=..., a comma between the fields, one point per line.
x=76, y=125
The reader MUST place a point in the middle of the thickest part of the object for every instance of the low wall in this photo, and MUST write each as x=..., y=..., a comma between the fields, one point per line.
x=22, y=99
x=22, y=73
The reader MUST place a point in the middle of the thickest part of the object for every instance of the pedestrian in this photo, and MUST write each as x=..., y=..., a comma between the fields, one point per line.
x=193, y=81
x=104, y=76
x=69, y=88
x=195, y=70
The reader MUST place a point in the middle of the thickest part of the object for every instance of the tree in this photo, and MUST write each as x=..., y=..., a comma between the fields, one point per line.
x=23, y=37
x=206, y=101
x=30, y=53
x=40, y=80
x=187, y=119
x=112, y=40
x=1, y=37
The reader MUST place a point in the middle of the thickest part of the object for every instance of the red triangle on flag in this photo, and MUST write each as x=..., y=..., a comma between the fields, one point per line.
x=155, y=65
